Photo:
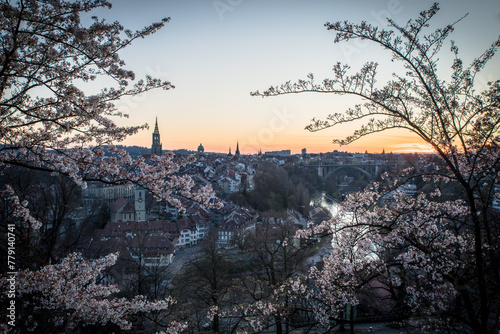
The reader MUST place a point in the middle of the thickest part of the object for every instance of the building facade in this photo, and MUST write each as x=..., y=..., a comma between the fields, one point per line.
x=98, y=193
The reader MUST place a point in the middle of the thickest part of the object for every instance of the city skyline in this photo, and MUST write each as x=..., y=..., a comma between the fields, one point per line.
x=217, y=52
x=156, y=144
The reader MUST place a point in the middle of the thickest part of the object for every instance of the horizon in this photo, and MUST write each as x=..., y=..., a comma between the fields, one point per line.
x=422, y=148
x=194, y=151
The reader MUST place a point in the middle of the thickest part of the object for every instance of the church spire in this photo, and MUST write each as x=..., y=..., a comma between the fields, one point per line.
x=156, y=126
x=156, y=145
x=237, y=149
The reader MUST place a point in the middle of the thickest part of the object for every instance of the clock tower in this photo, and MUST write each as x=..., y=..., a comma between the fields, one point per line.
x=140, y=204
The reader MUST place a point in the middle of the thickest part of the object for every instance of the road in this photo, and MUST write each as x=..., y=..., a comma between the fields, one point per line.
x=181, y=257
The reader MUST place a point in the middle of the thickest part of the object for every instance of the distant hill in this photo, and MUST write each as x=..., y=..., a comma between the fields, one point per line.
x=134, y=151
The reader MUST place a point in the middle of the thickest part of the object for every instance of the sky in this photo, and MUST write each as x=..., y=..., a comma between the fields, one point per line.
x=216, y=52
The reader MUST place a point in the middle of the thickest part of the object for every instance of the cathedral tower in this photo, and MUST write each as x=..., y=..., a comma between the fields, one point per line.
x=237, y=149
x=156, y=146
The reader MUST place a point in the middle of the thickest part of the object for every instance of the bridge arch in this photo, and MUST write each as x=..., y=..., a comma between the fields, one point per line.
x=336, y=169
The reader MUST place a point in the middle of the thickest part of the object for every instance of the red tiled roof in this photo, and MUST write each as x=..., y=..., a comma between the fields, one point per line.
x=152, y=244
x=118, y=204
x=129, y=208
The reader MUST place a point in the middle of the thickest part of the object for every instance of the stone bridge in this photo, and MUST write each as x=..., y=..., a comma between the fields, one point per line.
x=369, y=169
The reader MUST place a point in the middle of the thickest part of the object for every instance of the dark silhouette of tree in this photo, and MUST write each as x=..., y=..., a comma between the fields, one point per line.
x=275, y=189
x=275, y=256
x=205, y=283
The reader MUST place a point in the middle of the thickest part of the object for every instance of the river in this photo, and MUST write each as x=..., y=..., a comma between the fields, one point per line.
x=327, y=202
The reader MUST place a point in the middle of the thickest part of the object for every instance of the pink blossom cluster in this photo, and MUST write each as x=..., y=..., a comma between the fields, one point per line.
x=21, y=210
x=432, y=247
x=70, y=290
x=175, y=327
x=261, y=313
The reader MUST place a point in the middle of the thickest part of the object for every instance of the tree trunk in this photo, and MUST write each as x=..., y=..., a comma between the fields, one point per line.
x=279, y=329
x=351, y=320
x=216, y=323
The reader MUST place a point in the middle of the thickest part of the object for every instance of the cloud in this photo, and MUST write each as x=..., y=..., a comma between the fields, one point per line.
x=411, y=147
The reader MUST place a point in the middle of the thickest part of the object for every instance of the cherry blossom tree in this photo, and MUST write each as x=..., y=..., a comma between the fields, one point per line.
x=443, y=255
x=52, y=53
x=70, y=290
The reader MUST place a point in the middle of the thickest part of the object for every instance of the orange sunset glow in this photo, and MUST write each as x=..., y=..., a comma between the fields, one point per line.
x=216, y=57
